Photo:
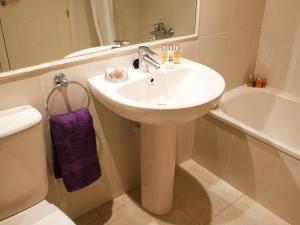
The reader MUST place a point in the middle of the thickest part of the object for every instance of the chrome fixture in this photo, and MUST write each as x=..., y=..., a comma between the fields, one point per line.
x=147, y=58
x=60, y=80
x=160, y=31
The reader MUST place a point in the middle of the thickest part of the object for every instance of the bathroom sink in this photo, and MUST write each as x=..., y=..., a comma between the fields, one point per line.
x=159, y=101
x=166, y=96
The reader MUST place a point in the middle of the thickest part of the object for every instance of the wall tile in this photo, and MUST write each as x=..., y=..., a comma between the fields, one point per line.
x=248, y=13
x=214, y=52
x=28, y=91
x=285, y=196
x=279, y=48
x=185, y=141
x=188, y=50
x=213, y=141
x=252, y=166
x=215, y=16
x=242, y=56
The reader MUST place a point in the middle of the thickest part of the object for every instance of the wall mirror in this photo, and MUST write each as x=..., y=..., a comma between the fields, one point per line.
x=38, y=31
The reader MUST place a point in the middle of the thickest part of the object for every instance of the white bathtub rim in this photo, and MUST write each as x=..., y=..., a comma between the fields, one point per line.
x=272, y=91
x=281, y=146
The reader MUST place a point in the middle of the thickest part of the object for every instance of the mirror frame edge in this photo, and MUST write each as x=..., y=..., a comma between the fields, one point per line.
x=68, y=62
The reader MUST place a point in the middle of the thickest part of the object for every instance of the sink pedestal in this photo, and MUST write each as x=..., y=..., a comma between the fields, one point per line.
x=158, y=148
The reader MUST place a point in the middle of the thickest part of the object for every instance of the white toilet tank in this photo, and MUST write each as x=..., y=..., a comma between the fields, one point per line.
x=23, y=168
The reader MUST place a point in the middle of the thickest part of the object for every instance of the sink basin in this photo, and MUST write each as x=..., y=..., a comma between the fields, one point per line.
x=168, y=96
x=159, y=101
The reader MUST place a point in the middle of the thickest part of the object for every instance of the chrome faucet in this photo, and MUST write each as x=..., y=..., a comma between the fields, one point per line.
x=160, y=32
x=147, y=59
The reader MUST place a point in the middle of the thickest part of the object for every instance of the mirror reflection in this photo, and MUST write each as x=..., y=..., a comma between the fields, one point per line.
x=39, y=31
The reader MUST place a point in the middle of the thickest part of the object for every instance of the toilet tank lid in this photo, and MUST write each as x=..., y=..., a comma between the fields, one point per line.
x=17, y=119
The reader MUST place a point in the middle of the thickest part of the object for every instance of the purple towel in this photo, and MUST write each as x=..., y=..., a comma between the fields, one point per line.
x=74, y=149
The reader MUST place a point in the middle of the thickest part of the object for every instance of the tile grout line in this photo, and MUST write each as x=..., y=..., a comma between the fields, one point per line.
x=249, y=27
x=190, y=217
x=228, y=206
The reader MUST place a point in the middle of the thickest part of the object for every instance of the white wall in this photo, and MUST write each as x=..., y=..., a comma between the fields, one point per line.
x=279, y=49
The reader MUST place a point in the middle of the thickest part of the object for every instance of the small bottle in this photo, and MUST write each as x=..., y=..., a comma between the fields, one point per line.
x=176, y=59
x=259, y=81
x=250, y=80
x=164, y=54
x=254, y=81
x=171, y=53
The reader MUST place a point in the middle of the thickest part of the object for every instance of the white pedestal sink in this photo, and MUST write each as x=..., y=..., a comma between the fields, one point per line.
x=159, y=102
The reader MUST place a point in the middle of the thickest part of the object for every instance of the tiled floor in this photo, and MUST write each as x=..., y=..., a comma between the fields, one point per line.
x=201, y=198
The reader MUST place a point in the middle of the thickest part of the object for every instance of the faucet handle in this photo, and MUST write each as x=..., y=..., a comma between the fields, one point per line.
x=159, y=26
x=144, y=50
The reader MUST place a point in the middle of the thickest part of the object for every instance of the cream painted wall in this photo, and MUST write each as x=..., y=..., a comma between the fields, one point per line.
x=178, y=14
x=228, y=42
x=35, y=31
x=83, y=28
x=279, y=50
x=127, y=19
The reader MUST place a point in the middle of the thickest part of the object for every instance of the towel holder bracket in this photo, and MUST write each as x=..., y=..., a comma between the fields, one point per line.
x=60, y=80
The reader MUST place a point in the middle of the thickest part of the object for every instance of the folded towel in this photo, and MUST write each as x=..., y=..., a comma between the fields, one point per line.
x=74, y=149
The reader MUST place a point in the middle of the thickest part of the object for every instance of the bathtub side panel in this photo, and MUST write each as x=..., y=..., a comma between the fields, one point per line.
x=254, y=167
x=284, y=199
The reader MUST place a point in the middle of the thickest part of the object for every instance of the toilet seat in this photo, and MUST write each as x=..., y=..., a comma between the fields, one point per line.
x=42, y=213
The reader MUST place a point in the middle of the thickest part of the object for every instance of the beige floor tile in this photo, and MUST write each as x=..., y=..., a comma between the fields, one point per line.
x=247, y=212
x=202, y=195
x=201, y=198
x=127, y=209
x=109, y=208
x=133, y=214
x=91, y=218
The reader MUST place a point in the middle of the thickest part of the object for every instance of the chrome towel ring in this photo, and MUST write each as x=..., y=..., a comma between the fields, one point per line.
x=61, y=81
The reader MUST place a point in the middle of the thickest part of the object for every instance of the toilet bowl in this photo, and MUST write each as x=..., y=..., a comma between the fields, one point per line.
x=23, y=171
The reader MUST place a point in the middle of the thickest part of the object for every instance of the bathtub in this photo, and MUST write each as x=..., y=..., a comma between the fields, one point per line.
x=266, y=114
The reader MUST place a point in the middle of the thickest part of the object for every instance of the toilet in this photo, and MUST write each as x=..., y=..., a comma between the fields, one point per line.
x=23, y=171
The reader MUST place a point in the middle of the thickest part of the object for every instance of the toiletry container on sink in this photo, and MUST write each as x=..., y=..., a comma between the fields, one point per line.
x=23, y=171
